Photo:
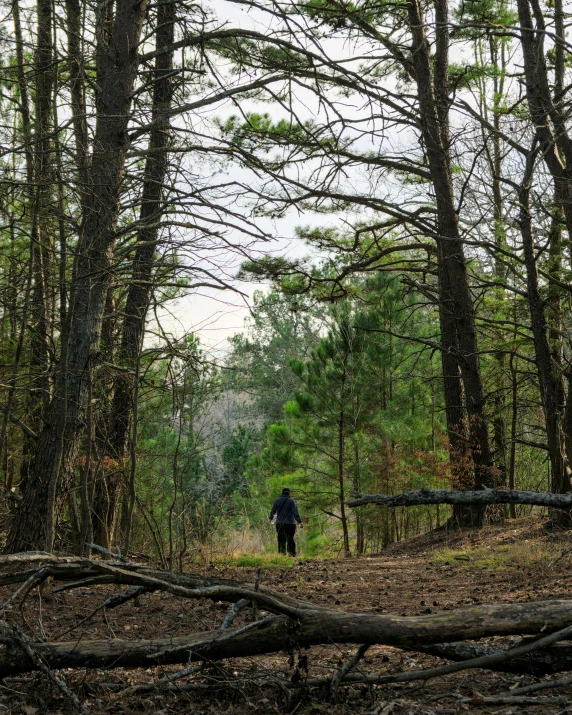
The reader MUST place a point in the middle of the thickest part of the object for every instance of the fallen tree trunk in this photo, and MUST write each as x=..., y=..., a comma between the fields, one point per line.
x=276, y=634
x=482, y=497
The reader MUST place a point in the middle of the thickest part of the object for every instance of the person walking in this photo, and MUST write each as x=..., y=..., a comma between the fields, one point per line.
x=286, y=512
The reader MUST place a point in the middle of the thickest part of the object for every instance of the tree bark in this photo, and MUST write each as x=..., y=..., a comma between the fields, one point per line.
x=38, y=163
x=548, y=113
x=498, y=60
x=513, y=421
x=77, y=90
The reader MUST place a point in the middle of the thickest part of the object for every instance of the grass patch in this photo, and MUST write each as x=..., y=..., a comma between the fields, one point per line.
x=513, y=556
x=265, y=561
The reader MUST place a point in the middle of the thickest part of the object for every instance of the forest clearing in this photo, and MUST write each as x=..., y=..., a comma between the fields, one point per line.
x=438, y=573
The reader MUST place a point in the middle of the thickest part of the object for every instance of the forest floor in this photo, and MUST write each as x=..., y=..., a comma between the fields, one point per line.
x=436, y=572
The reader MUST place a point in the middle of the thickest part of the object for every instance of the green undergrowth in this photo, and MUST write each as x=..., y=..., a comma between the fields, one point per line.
x=505, y=556
x=266, y=561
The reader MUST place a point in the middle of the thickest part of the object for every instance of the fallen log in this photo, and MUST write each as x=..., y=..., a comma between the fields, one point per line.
x=280, y=633
x=480, y=497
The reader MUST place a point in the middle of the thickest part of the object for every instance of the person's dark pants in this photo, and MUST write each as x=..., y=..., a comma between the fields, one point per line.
x=286, y=538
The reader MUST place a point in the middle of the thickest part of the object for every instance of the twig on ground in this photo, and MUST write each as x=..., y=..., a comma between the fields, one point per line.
x=480, y=662
x=558, y=558
x=256, y=589
x=107, y=552
x=544, y=685
x=233, y=612
x=35, y=579
x=547, y=661
x=410, y=706
x=347, y=667
x=166, y=680
x=112, y=602
x=271, y=602
x=186, y=687
x=517, y=700
x=431, y=673
x=120, y=598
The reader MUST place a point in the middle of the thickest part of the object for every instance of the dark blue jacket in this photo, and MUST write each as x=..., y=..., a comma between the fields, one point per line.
x=286, y=511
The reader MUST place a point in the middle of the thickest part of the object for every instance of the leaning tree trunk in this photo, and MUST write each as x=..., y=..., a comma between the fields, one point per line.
x=431, y=76
x=34, y=524
x=108, y=486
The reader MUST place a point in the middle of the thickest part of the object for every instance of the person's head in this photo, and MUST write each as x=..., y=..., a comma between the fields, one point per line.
x=285, y=492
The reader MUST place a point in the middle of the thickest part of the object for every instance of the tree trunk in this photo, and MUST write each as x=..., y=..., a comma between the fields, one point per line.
x=279, y=633
x=141, y=286
x=38, y=165
x=341, y=475
x=549, y=118
x=34, y=525
x=547, y=113
x=495, y=162
x=550, y=388
x=77, y=90
x=360, y=528
x=513, y=421
x=457, y=317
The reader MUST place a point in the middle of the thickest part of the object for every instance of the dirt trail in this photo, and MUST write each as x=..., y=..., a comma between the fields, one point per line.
x=426, y=575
